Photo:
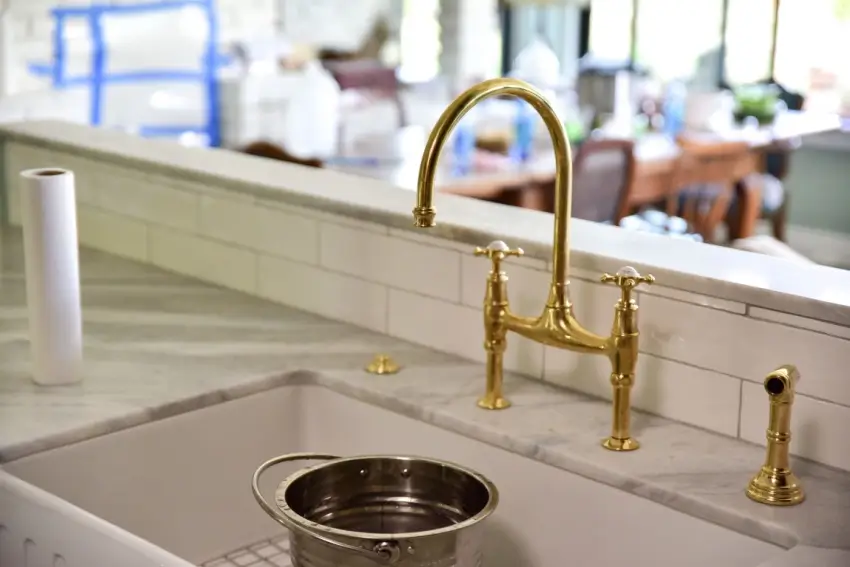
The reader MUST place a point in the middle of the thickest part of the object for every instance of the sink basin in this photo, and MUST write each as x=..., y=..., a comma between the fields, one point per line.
x=183, y=484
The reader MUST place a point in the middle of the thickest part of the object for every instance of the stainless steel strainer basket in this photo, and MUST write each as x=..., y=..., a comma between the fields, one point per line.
x=381, y=510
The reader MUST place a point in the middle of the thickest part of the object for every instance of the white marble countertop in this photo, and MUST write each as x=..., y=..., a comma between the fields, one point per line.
x=157, y=345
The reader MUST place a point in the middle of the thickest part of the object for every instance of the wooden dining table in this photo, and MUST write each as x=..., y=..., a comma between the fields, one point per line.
x=395, y=157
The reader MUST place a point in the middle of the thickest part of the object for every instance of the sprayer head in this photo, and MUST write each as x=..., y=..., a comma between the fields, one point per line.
x=781, y=383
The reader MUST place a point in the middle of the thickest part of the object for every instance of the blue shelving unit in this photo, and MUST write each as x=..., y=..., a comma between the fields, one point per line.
x=99, y=78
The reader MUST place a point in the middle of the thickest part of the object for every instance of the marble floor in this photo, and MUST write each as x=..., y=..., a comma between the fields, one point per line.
x=267, y=553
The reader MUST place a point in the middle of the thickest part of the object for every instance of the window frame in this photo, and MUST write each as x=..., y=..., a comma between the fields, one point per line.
x=721, y=79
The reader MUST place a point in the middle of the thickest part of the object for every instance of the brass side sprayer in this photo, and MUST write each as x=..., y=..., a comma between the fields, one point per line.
x=555, y=326
x=775, y=484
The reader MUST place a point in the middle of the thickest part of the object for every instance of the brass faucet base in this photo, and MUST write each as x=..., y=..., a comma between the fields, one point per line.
x=776, y=487
x=493, y=403
x=382, y=364
x=614, y=444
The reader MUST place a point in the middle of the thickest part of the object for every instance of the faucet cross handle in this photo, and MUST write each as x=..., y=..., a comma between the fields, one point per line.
x=627, y=278
x=498, y=251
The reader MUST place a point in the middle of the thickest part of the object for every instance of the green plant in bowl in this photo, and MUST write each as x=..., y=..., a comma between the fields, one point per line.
x=758, y=101
x=575, y=131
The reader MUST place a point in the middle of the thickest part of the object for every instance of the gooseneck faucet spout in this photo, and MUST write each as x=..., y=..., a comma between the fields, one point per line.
x=424, y=214
x=555, y=326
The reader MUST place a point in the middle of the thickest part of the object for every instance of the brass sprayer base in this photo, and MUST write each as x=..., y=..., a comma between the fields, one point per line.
x=776, y=487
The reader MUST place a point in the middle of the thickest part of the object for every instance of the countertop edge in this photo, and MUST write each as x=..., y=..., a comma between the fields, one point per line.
x=809, y=556
x=630, y=484
x=144, y=416
x=641, y=487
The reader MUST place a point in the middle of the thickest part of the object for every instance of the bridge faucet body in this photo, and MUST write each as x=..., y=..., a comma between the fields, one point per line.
x=555, y=326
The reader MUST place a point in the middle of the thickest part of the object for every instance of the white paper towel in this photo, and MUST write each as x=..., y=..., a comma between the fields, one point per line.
x=49, y=219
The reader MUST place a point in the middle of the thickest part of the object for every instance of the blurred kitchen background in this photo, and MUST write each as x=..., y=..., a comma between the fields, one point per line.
x=355, y=85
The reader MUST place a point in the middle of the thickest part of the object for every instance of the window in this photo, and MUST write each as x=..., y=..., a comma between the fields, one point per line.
x=557, y=25
x=749, y=40
x=420, y=41
x=802, y=44
x=812, y=42
x=610, y=36
x=675, y=37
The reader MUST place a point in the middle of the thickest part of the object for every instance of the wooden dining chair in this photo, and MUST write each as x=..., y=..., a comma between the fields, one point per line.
x=703, y=182
x=273, y=151
x=777, y=163
x=371, y=78
x=603, y=176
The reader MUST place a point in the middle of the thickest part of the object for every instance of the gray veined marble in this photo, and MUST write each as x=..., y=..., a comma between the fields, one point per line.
x=157, y=344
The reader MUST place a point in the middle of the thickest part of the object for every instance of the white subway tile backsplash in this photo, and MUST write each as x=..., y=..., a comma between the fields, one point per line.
x=818, y=428
x=262, y=229
x=108, y=232
x=85, y=179
x=456, y=329
x=663, y=387
x=742, y=346
x=198, y=188
x=694, y=298
x=800, y=322
x=584, y=274
x=330, y=217
x=393, y=261
x=24, y=156
x=527, y=287
x=443, y=325
x=421, y=236
x=129, y=193
x=593, y=305
x=13, y=203
x=332, y=295
x=192, y=255
x=228, y=220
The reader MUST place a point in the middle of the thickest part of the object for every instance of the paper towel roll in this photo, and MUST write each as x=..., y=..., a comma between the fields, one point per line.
x=49, y=220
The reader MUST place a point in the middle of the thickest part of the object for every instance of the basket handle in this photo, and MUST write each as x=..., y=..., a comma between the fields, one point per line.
x=387, y=552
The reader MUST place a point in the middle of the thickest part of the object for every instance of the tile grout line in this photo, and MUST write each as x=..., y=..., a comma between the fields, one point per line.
x=740, y=406
x=798, y=327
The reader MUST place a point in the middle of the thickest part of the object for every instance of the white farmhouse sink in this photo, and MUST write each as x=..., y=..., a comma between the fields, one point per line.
x=184, y=484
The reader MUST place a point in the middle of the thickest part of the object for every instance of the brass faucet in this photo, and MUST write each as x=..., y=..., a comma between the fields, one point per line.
x=775, y=484
x=556, y=325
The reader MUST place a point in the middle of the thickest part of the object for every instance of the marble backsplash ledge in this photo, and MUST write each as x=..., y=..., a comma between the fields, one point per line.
x=703, y=355
x=812, y=291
